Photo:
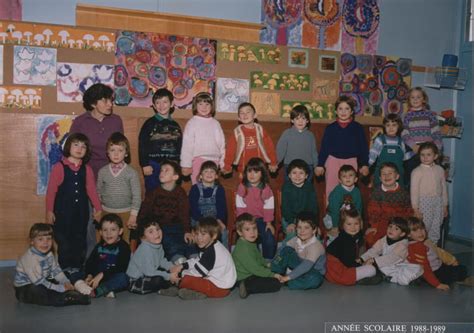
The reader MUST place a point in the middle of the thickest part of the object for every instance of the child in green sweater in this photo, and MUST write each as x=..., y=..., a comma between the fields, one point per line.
x=253, y=274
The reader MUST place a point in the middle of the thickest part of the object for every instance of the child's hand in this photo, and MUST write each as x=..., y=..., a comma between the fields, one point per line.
x=284, y=279
x=333, y=232
x=277, y=276
x=364, y=171
x=94, y=283
x=445, y=211
x=50, y=218
x=370, y=231
x=148, y=170
x=370, y=261
x=174, y=278
x=186, y=171
x=273, y=168
x=188, y=238
x=290, y=228
x=88, y=279
x=319, y=171
x=226, y=171
x=269, y=226
x=176, y=269
x=68, y=286
x=443, y=287
x=418, y=214
x=132, y=222
x=97, y=215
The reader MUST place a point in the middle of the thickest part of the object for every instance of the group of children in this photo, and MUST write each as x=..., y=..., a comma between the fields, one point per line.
x=184, y=239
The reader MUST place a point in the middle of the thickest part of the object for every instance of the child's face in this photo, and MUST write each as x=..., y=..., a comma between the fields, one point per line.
x=389, y=177
x=116, y=153
x=42, y=243
x=153, y=234
x=167, y=175
x=204, y=109
x=416, y=99
x=344, y=111
x=391, y=128
x=300, y=122
x=209, y=176
x=78, y=150
x=427, y=156
x=304, y=231
x=394, y=232
x=254, y=177
x=110, y=232
x=163, y=106
x=298, y=176
x=247, y=115
x=249, y=232
x=351, y=225
x=348, y=178
x=418, y=235
x=204, y=239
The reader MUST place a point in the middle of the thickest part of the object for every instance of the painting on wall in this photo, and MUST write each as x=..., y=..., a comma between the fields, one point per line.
x=52, y=132
x=74, y=79
x=325, y=89
x=268, y=104
x=374, y=131
x=302, y=23
x=20, y=97
x=230, y=93
x=298, y=58
x=264, y=54
x=360, y=26
x=1, y=64
x=145, y=62
x=34, y=66
x=280, y=81
x=317, y=109
x=327, y=64
x=378, y=84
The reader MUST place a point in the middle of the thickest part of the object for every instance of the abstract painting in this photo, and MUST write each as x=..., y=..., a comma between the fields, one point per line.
x=325, y=89
x=52, y=131
x=266, y=103
x=73, y=79
x=263, y=54
x=145, y=62
x=378, y=84
x=327, y=64
x=360, y=23
x=280, y=81
x=34, y=66
x=20, y=97
x=317, y=109
x=298, y=58
x=230, y=93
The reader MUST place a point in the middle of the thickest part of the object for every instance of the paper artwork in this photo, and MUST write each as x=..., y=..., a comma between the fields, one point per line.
x=145, y=62
x=52, y=132
x=327, y=64
x=374, y=131
x=74, y=79
x=280, y=81
x=258, y=53
x=317, y=109
x=1, y=64
x=20, y=97
x=298, y=58
x=266, y=103
x=230, y=93
x=34, y=66
x=325, y=89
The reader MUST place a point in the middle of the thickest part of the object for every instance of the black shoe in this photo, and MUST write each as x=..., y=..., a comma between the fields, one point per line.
x=76, y=298
x=370, y=281
x=417, y=282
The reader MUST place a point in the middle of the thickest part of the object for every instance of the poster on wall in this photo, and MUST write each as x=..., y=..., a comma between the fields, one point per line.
x=378, y=84
x=242, y=52
x=21, y=97
x=72, y=80
x=1, y=64
x=52, y=132
x=317, y=109
x=268, y=104
x=230, y=93
x=34, y=66
x=145, y=62
x=280, y=81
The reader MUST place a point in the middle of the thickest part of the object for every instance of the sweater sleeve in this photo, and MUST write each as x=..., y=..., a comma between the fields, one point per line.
x=251, y=261
x=324, y=149
x=268, y=204
x=374, y=251
x=417, y=254
x=187, y=149
x=122, y=260
x=334, y=206
x=230, y=151
x=282, y=146
x=221, y=144
x=92, y=261
x=314, y=150
x=397, y=255
x=147, y=264
x=55, y=179
x=100, y=183
x=304, y=266
x=415, y=188
x=406, y=134
x=285, y=204
x=146, y=207
x=375, y=150
x=363, y=149
x=221, y=204
x=91, y=189
x=194, y=203
x=240, y=204
x=183, y=210
x=136, y=191
x=270, y=148
x=143, y=141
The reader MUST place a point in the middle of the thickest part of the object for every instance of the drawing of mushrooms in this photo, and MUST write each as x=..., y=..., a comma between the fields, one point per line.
x=37, y=100
x=48, y=33
x=24, y=100
x=30, y=93
x=10, y=28
x=3, y=93
x=262, y=53
x=110, y=46
x=4, y=36
x=224, y=50
x=16, y=93
x=241, y=55
x=104, y=39
x=17, y=35
x=96, y=45
x=271, y=55
x=64, y=35
x=256, y=81
x=71, y=43
x=28, y=34
x=88, y=38
x=39, y=38
x=319, y=110
x=286, y=111
x=79, y=43
x=251, y=56
x=231, y=52
x=272, y=84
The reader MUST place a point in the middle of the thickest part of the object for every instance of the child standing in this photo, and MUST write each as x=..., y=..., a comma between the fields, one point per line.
x=297, y=196
x=298, y=142
x=38, y=277
x=343, y=264
x=207, y=198
x=390, y=253
x=212, y=273
x=303, y=255
x=160, y=138
x=343, y=142
x=106, y=266
x=387, y=200
x=254, y=196
x=389, y=147
x=118, y=184
x=248, y=140
x=253, y=274
x=203, y=138
x=71, y=185
x=428, y=191
x=148, y=270
x=170, y=204
x=423, y=252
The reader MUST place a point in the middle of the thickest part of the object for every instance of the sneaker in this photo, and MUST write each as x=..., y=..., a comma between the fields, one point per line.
x=110, y=294
x=243, y=293
x=188, y=294
x=171, y=291
x=180, y=261
x=416, y=282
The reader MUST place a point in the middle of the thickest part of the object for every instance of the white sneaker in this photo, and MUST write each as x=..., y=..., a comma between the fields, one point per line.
x=111, y=294
x=82, y=287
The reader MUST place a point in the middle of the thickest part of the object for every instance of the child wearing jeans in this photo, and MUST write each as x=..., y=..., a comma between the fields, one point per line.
x=38, y=277
x=253, y=274
x=212, y=273
x=303, y=255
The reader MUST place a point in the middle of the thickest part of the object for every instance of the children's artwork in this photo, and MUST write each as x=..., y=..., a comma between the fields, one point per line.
x=327, y=64
x=266, y=103
x=230, y=93
x=145, y=62
x=52, y=133
x=451, y=126
x=317, y=110
x=325, y=89
x=34, y=66
x=374, y=131
x=360, y=23
x=280, y=81
x=20, y=97
x=262, y=54
x=30, y=34
x=378, y=84
x=1, y=64
x=72, y=80
x=448, y=165
x=298, y=58
x=302, y=23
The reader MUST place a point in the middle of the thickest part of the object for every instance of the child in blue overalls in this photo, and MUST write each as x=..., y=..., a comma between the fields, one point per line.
x=389, y=147
x=207, y=198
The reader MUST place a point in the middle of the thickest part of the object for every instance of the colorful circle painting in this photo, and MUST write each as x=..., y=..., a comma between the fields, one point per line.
x=346, y=87
x=404, y=66
x=360, y=18
x=157, y=76
x=122, y=96
x=321, y=12
x=348, y=62
x=379, y=61
x=282, y=13
x=143, y=56
x=162, y=47
x=141, y=69
x=125, y=45
x=175, y=74
x=375, y=97
x=120, y=75
x=179, y=91
x=390, y=77
x=393, y=106
x=364, y=63
x=402, y=92
x=138, y=87
x=180, y=49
